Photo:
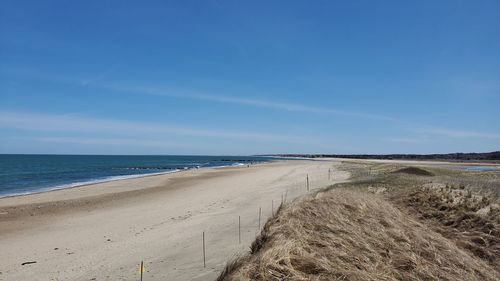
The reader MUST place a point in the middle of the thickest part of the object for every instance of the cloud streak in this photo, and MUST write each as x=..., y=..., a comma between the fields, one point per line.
x=458, y=133
x=111, y=141
x=261, y=103
x=407, y=140
x=77, y=124
x=319, y=110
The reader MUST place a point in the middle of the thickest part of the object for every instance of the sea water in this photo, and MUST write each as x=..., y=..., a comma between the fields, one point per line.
x=24, y=174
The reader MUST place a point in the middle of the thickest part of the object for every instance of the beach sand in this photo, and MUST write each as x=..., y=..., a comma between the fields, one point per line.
x=104, y=231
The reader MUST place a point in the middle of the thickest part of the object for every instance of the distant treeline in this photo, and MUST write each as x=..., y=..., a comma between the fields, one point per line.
x=491, y=156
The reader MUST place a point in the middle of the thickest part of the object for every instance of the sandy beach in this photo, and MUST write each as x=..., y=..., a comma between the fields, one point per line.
x=103, y=231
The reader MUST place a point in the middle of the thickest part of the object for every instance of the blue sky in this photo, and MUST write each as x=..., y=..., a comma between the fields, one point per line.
x=248, y=77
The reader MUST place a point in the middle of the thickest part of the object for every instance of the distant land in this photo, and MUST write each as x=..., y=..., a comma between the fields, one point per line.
x=487, y=156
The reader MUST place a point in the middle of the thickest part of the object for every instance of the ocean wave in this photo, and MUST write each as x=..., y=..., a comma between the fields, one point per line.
x=164, y=170
x=84, y=183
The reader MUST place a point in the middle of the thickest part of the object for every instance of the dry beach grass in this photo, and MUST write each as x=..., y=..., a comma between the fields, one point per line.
x=378, y=228
x=470, y=220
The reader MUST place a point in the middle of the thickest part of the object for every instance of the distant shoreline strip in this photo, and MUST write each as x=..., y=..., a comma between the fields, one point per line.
x=110, y=179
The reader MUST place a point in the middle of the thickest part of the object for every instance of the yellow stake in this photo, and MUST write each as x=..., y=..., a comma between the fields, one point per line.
x=142, y=268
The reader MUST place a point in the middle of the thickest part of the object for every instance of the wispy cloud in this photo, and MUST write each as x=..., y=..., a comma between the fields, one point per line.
x=112, y=141
x=78, y=124
x=476, y=88
x=44, y=122
x=458, y=133
x=182, y=93
x=407, y=140
x=179, y=93
x=92, y=81
x=293, y=107
x=432, y=134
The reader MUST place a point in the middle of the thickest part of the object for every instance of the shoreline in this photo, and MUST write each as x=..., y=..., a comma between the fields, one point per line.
x=86, y=183
x=111, y=188
x=117, y=178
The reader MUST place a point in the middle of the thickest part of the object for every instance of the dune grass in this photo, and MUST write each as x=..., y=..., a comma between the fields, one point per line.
x=377, y=228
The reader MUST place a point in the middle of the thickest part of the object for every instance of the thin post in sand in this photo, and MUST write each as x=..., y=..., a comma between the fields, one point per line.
x=239, y=229
x=142, y=269
x=260, y=211
x=329, y=171
x=204, y=263
x=307, y=181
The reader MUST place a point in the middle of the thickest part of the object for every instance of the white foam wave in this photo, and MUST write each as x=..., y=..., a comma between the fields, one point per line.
x=83, y=183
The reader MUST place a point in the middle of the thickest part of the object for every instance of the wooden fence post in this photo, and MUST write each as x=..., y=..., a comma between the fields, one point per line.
x=142, y=268
x=260, y=211
x=272, y=207
x=204, y=263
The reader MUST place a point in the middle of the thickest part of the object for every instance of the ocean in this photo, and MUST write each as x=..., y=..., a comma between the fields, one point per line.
x=25, y=174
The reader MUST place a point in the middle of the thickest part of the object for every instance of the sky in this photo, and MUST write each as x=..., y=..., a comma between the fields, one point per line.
x=249, y=77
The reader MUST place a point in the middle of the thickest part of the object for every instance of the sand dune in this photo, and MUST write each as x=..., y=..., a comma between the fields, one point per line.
x=346, y=234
